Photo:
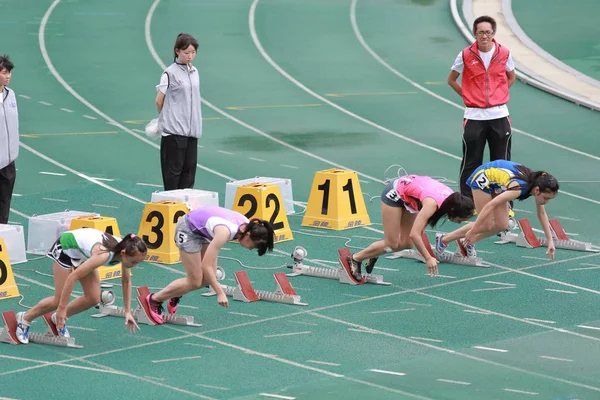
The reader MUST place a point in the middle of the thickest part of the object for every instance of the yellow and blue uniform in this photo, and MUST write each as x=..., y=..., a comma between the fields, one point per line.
x=495, y=176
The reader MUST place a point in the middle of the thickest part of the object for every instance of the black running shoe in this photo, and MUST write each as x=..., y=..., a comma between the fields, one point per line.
x=370, y=264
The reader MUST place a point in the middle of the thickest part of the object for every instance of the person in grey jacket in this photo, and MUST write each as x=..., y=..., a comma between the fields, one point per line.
x=180, y=116
x=9, y=138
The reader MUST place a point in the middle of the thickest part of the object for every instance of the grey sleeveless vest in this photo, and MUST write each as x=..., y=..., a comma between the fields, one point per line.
x=181, y=114
x=9, y=128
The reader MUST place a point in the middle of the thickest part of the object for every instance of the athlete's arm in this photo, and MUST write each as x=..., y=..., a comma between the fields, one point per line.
x=428, y=208
x=543, y=218
x=126, y=286
x=489, y=208
x=220, y=237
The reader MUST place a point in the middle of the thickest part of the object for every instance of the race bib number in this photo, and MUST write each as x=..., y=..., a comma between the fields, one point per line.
x=405, y=180
x=181, y=237
x=482, y=181
x=393, y=195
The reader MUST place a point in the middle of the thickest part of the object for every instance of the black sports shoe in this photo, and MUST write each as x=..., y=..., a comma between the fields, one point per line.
x=370, y=264
x=355, y=268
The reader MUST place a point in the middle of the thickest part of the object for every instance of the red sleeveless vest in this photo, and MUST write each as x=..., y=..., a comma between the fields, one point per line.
x=483, y=88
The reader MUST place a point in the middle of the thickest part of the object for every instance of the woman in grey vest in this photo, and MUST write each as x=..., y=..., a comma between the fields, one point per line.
x=9, y=138
x=180, y=117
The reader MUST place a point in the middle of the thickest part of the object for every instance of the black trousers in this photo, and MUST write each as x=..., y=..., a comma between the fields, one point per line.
x=496, y=132
x=8, y=176
x=178, y=158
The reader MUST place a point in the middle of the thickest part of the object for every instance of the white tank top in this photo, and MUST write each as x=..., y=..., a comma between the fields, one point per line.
x=78, y=244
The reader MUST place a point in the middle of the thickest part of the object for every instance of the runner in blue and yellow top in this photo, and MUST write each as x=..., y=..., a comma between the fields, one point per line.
x=494, y=185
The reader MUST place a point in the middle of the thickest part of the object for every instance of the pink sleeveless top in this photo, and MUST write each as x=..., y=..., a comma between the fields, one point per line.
x=413, y=189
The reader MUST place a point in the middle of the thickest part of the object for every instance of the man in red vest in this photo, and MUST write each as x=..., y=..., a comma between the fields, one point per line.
x=488, y=72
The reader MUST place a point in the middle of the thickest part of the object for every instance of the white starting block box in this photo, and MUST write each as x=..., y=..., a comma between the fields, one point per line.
x=44, y=229
x=14, y=238
x=194, y=198
x=285, y=188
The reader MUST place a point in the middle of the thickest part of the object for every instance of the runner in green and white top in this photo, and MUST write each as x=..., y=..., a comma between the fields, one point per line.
x=77, y=254
x=78, y=245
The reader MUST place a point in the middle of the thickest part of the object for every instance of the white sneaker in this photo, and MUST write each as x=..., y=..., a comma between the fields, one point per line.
x=440, y=247
x=64, y=332
x=22, y=328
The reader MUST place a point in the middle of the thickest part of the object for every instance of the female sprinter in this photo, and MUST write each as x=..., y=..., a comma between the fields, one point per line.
x=494, y=185
x=77, y=254
x=199, y=235
x=408, y=204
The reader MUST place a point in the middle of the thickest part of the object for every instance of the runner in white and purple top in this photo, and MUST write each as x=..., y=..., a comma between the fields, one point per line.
x=200, y=236
x=202, y=221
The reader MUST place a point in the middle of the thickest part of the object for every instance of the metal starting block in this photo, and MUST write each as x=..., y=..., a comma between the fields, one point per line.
x=448, y=257
x=527, y=238
x=244, y=291
x=141, y=313
x=342, y=274
x=8, y=333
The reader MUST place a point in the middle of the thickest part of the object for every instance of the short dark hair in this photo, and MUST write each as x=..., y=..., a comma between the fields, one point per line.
x=6, y=63
x=183, y=41
x=484, y=18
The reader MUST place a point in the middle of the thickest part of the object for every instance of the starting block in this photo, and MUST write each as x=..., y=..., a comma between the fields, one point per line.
x=244, y=291
x=448, y=257
x=342, y=274
x=141, y=314
x=527, y=238
x=8, y=334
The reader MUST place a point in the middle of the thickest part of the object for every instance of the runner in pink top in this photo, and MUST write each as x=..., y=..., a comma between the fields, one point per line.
x=413, y=189
x=408, y=205
x=200, y=235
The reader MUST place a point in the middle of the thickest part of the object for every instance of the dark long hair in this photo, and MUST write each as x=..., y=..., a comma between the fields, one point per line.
x=455, y=206
x=262, y=234
x=183, y=41
x=131, y=243
x=546, y=182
